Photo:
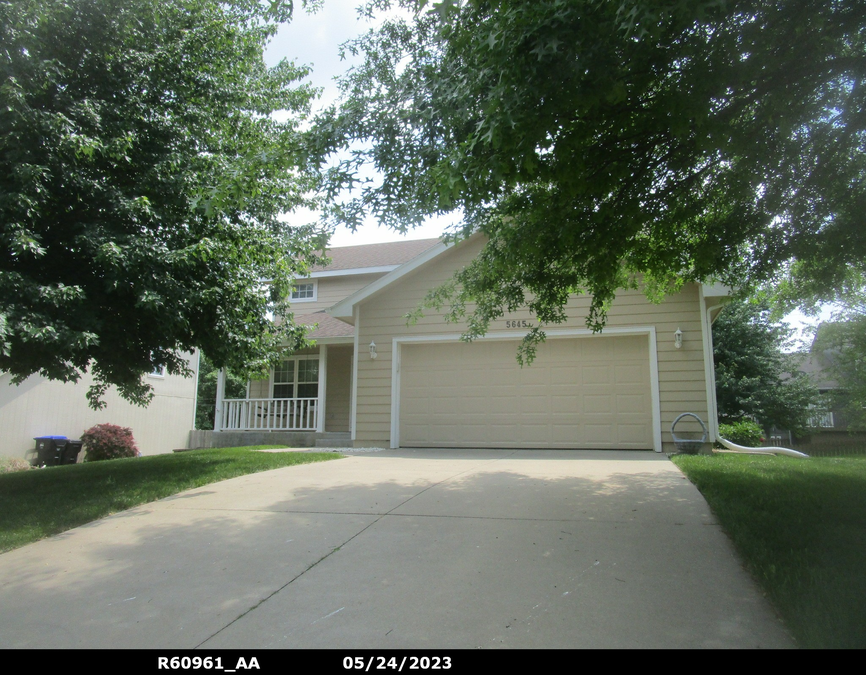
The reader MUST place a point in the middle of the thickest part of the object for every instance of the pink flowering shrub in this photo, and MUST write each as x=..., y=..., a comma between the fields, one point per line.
x=109, y=441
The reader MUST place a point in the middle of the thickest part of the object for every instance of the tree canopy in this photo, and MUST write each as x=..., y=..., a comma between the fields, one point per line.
x=755, y=379
x=602, y=145
x=205, y=409
x=142, y=177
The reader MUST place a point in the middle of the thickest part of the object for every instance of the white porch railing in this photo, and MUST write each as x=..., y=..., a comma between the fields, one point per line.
x=270, y=414
x=821, y=420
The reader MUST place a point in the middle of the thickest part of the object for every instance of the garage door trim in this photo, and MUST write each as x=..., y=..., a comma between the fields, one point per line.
x=552, y=334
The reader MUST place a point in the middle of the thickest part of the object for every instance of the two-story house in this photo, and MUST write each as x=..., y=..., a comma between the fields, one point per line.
x=374, y=378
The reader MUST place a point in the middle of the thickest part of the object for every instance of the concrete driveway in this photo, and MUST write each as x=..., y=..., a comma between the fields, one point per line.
x=401, y=549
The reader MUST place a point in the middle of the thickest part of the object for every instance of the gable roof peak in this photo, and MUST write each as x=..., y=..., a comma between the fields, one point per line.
x=363, y=256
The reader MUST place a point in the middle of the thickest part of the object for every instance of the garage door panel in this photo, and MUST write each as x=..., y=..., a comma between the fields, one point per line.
x=631, y=404
x=632, y=373
x=474, y=405
x=579, y=392
x=565, y=375
x=445, y=405
x=594, y=404
x=417, y=411
x=530, y=376
x=476, y=433
x=631, y=434
x=497, y=377
x=596, y=375
x=566, y=435
x=598, y=434
x=534, y=433
x=535, y=404
x=568, y=404
x=436, y=378
x=507, y=407
x=504, y=421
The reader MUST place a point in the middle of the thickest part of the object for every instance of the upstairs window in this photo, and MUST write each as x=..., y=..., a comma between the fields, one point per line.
x=304, y=292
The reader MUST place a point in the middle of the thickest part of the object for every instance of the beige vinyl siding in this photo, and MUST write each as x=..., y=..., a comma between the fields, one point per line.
x=339, y=390
x=331, y=290
x=260, y=388
x=40, y=407
x=681, y=379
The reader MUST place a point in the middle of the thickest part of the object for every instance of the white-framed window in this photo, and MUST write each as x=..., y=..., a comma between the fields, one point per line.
x=296, y=377
x=304, y=291
x=159, y=371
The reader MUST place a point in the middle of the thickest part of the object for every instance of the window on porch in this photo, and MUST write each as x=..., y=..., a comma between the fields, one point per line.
x=292, y=402
x=296, y=378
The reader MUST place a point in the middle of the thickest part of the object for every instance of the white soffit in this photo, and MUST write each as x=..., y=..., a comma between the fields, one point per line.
x=353, y=271
x=716, y=290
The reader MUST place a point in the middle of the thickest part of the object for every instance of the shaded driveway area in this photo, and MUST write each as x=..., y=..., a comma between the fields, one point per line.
x=400, y=549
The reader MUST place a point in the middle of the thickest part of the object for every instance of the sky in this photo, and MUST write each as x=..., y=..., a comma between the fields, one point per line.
x=314, y=39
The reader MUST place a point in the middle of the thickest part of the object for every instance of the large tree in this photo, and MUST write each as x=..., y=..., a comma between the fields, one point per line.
x=755, y=378
x=142, y=178
x=208, y=375
x=602, y=145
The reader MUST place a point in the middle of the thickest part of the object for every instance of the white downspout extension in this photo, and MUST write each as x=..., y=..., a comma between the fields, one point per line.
x=770, y=450
x=714, y=414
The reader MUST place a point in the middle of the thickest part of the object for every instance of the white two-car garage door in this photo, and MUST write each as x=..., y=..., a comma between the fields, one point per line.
x=585, y=392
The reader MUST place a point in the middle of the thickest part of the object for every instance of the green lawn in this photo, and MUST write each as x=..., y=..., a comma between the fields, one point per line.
x=38, y=503
x=800, y=527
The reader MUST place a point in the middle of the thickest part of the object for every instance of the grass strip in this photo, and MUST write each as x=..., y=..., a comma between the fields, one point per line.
x=800, y=527
x=39, y=503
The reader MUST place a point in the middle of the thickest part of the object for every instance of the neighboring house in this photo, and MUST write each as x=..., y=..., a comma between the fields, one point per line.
x=373, y=379
x=831, y=418
x=828, y=433
x=41, y=407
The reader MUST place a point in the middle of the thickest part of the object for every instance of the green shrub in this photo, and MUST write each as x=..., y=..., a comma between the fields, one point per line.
x=745, y=433
x=109, y=441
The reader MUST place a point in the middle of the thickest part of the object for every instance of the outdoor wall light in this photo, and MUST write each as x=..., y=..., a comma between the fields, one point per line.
x=373, y=351
x=678, y=339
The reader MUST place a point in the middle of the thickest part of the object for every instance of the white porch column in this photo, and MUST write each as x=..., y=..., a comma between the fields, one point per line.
x=220, y=397
x=356, y=355
x=323, y=384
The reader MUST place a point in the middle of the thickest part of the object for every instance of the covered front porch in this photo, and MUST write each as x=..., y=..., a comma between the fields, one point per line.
x=308, y=392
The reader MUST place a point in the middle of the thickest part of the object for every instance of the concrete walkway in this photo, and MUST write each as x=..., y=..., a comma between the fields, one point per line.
x=400, y=549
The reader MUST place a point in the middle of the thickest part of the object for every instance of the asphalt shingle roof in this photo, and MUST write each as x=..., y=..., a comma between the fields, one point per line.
x=375, y=255
x=328, y=325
